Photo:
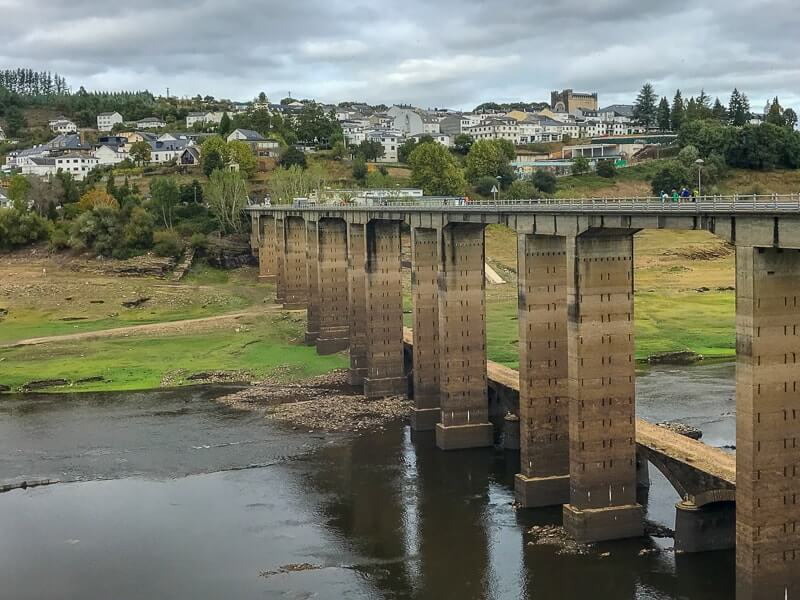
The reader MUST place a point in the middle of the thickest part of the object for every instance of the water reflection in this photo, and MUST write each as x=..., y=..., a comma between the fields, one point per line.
x=380, y=515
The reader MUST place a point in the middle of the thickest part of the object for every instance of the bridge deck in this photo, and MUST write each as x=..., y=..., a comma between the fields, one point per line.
x=698, y=455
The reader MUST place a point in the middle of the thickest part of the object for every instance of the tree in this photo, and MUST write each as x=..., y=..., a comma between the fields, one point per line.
x=688, y=155
x=580, y=165
x=137, y=233
x=293, y=156
x=485, y=185
x=359, y=169
x=224, y=128
x=738, y=108
x=20, y=227
x=644, y=109
x=370, y=150
x=544, y=181
x=790, y=118
x=211, y=161
x=262, y=97
x=671, y=176
x=405, y=150
x=97, y=198
x=435, y=171
x=606, y=168
x=192, y=193
x=226, y=194
x=775, y=114
x=43, y=195
x=296, y=182
x=140, y=152
x=521, y=189
x=663, y=115
x=719, y=112
x=165, y=197
x=69, y=189
x=507, y=147
x=240, y=153
x=487, y=158
x=15, y=121
x=703, y=105
x=18, y=189
x=99, y=229
x=462, y=143
x=677, y=112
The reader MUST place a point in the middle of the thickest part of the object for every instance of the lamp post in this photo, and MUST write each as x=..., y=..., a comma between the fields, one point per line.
x=699, y=162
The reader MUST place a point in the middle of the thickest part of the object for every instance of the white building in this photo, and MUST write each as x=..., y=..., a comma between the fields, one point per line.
x=163, y=152
x=390, y=140
x=110, y=155
x=207, y=118
x=439, y=138
x=107, y=120
x=495, y=128
x=2, y=134
x=151, y=123
x=63, y=125
x=78, y=165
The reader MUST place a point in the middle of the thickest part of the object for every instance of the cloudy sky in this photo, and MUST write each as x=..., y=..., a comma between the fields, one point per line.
x=426, y=52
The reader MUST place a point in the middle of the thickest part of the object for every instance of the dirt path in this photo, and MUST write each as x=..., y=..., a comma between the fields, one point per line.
x=183, y=326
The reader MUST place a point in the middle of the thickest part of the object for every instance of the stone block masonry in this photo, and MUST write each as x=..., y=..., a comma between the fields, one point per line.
x=425, y=293
x=544, y=382
x=357, y=291
x=296, y=272
x=767, y=423
x=280, y=260
x=267, y=257
x=464, y=420
x=334, y=325
x=602, y=430
x=384, y=311
x=312, y=272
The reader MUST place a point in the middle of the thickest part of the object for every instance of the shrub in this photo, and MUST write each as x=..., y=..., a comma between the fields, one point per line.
x=59, y=239
x=544, y=181
x=580, y=165
x=672, y=175
x=167, y=243
x=20, y=228
x=95, y=198
x=485, y=184
x=606, y=168
x=198, y=241
x=138, y=231
x=359, y=169
x=99, y=229
x=522, y=189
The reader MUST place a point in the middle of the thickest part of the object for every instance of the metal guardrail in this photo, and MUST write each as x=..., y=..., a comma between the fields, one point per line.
x=788, y=203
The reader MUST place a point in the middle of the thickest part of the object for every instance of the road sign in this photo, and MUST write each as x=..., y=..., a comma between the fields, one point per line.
x=494, y=189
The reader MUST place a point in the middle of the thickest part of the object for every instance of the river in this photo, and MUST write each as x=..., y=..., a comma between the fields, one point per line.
x=168, y=494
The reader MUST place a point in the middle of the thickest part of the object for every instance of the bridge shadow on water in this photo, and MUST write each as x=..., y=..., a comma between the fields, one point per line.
x=433, y=524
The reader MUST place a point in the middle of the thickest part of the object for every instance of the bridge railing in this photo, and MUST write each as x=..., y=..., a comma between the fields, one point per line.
x=733, y=203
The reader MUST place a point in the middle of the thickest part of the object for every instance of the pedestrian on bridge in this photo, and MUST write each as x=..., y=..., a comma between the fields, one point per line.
x=675, y=196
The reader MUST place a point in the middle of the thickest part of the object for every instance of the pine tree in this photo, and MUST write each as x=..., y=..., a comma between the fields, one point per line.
x=738, y=108
x=678, y=111
x=663, y=115
x=775, y=114
x=644, y=110
x=703, y=105
x=691, y=110
x=718, y=112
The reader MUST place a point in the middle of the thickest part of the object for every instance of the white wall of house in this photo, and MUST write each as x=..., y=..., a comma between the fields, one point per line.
x=79, y=167
x=107, y=155
x=106, y=122
x=63, y=126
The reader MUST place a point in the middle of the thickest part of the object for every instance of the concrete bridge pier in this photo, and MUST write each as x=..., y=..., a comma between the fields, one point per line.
x=280, y=260
x=704, y=528
x=464, y=421
x=357, y=292
x=602, y=430
x=334, y=325
x=312, y=273
x=767, y=420
x=267, y=258
x=425, y=292
x=384, y=311
x=544, y=382
x=296, y=272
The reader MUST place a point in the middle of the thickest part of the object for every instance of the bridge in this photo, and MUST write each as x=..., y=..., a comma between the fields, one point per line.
x=576, y=386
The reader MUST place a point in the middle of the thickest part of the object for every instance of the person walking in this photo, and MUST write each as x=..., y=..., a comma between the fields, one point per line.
x=675, y=196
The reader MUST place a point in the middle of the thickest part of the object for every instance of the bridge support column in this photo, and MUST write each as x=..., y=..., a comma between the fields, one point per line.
x=280, y=260
x=384, y=311
x=425, y=291
x=602, y=429
x=705, y=528
x=767, y=423
x=334, y=326
x=312, y=272
x=356, y=283
x=544, y=383
x=266, y=249
x=464, y=420
x=296, y=275
x=256, y=225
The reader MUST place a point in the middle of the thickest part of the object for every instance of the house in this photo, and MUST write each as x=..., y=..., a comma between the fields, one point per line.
x=258, y=143
x=440, y=138
x=206, y=117
x=138, y=136
x=5, y=202
x=390, y=140
x=190, y=156
x=163, y=152
x=406, y=120
x=150, y=123
x=2, y=134
x=78, y=165
x=496, y=128
x=110, y=155
x=62, y=125
x=107, y=120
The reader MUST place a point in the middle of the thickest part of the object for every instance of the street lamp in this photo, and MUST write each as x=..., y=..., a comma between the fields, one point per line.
x=699, y=162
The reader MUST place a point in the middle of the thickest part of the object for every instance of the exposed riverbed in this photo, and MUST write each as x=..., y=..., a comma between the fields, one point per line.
x=174, y=495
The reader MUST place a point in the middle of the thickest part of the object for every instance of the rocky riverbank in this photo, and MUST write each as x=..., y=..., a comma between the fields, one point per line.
x=324, y=403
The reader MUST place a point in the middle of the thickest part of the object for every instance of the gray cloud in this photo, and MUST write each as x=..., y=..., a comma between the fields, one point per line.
x=443, y=53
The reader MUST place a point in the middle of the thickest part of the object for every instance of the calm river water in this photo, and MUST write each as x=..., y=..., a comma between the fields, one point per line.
x=175, y=496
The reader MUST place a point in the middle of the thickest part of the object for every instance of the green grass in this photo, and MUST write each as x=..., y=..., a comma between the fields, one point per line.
x=267, y=346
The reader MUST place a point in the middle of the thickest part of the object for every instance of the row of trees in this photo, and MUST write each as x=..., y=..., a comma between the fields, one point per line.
x=33, y=84
x=651, y=113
